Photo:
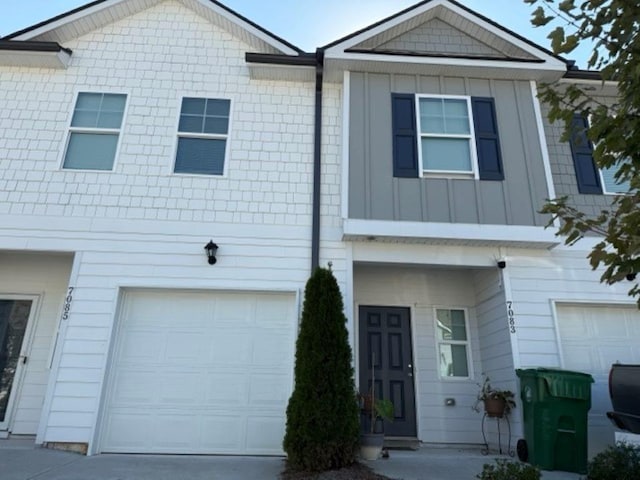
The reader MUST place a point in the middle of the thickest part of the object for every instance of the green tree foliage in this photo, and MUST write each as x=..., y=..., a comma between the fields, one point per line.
x=322, y=416
x=612, y=27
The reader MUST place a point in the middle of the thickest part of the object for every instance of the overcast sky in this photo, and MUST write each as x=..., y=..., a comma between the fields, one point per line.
x=305, y=23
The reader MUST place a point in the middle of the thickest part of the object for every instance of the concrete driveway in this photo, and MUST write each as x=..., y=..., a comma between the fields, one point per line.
x=21, y=460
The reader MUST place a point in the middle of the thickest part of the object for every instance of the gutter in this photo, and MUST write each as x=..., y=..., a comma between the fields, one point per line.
x=317, y=164
x=31, y=46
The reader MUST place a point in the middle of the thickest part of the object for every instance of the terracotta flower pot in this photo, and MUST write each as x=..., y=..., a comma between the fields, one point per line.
x=495, y=406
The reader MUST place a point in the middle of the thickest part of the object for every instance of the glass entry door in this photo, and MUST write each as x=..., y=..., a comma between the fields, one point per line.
x=14, y=317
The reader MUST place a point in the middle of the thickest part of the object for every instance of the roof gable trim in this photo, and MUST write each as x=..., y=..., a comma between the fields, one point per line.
x=351, y=41
x=101, y=5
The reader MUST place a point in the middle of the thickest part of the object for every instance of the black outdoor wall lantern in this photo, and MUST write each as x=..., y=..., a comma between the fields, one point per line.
x=211, y=249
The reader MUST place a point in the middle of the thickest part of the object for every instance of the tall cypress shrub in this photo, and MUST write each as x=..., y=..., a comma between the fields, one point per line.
x=322, y=416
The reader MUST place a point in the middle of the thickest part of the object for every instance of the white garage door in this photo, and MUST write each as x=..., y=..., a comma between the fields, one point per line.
x=196, y=372
x=594, y=337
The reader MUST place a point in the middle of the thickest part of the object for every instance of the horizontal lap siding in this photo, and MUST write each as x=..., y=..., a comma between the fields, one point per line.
x=375, y=194
x=537, y=279
x=47, y=276
x=140, y=225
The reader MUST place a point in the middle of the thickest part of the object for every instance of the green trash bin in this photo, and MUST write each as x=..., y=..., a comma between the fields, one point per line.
x=555, y=404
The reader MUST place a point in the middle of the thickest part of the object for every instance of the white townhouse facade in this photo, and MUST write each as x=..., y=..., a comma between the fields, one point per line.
x=122, y=336
x=413, y=155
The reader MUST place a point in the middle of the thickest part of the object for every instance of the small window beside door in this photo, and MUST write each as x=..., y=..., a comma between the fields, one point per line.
x=452, y=336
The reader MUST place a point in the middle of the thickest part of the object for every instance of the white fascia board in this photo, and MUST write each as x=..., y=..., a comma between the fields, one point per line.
x=22, y=58
x=451, y=231
x=68, y=19
x=448, y=61
x=595, y=83
x=268, y=39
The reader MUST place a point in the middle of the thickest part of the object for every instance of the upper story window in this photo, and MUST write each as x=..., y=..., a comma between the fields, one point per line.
x=453, y=342
x=590, y=178
x=445, y=135
x=609, y=183
x=202, y=136
x=95, y=130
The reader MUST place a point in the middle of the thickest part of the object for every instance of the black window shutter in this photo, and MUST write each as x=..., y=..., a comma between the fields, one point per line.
x=487, y=139
x=582, y=151
x=405, y=147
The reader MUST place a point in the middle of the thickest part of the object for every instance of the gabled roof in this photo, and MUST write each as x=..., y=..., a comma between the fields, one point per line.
x=86, y=18
x=410, y=37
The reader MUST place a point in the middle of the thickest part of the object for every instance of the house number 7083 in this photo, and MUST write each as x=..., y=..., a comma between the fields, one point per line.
x=67, y=304
x=511, y=317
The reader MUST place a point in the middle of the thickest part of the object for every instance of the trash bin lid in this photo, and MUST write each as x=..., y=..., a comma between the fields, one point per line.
x=562, y=383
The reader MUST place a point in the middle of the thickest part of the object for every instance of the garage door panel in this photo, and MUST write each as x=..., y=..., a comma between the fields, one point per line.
x=264, y=353
x=141, y=347
x=194, y=382
x=272, y=312
x=235, y=389
x=138, y=427
x=157, y=309
x=183, y=348
x=134, y=387
x=592, y=338
x=224, y=434
x=268, y=390
x=180, y=389
x=238, y=311
x=260, y=432
x=230, y=348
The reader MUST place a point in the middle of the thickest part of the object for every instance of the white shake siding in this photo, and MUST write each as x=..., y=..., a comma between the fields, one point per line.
x=140, y=225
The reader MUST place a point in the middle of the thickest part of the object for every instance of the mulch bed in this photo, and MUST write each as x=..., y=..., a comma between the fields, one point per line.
x=357, y=471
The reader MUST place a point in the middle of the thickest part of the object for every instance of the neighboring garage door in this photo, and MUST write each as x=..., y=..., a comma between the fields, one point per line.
x=200, y=372
x=594, y=337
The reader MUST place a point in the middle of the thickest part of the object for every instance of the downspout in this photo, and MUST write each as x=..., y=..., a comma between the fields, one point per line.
x=317, y=164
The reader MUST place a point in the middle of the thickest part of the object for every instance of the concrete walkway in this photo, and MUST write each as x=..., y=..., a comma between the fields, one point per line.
x=20, y=459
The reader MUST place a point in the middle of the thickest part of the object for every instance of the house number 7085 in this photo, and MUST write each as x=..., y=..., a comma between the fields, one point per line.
x=67, y=304
x=511, y=317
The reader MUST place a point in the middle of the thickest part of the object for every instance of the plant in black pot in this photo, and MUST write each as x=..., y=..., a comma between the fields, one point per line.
x=496, y=402
x=376, y=410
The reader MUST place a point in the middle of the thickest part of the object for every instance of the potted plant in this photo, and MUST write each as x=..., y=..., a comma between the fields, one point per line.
x=377, y=410
x=496, y=402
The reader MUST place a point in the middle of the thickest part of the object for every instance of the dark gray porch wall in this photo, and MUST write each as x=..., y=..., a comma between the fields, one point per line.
x=375, y=194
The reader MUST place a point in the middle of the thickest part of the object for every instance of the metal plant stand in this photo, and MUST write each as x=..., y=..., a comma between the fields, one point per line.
x=485, y=450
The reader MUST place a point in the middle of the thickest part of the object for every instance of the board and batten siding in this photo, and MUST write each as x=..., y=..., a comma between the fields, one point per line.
x=374, y=194
x=422, y=289
x=140, y=225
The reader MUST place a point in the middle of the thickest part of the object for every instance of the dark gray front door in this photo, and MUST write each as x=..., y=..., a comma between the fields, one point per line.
x=385, y=334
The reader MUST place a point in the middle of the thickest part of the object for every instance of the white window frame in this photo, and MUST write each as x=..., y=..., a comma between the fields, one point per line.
x=97, y=131
x=600, y=175
x=466, y=343
x=208, y=136
x=604, y=185
x=471, y=137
